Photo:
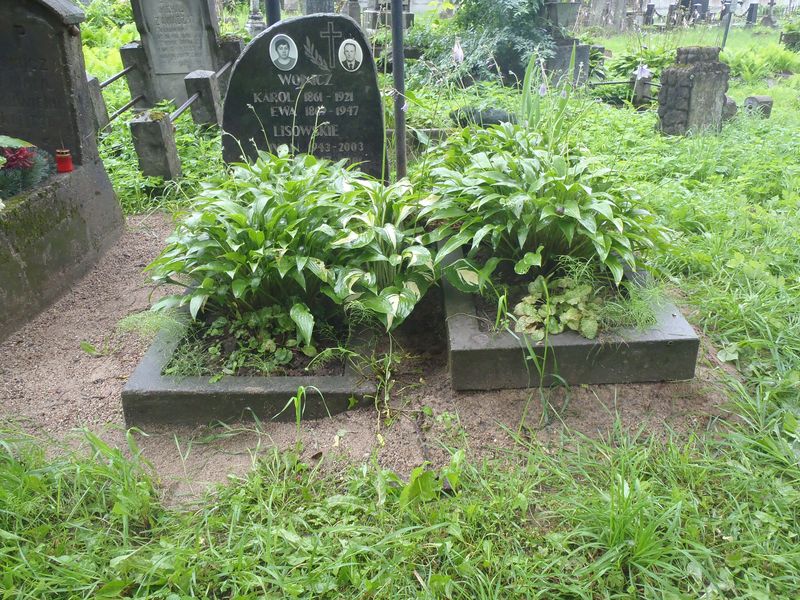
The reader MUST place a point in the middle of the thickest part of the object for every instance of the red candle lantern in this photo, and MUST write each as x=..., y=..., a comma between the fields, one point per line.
x=64, y=161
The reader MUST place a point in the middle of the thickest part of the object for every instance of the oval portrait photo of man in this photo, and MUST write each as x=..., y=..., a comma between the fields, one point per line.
x=350, y=55
x=283, y=52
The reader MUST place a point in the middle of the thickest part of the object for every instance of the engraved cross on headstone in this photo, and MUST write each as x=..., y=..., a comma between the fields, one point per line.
x=331, y=35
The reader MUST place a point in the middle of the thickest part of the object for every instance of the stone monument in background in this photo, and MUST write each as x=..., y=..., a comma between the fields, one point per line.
x=379, y=14
x=177, y=37
x=311, y=7
x=692, y=95
x=53, y=233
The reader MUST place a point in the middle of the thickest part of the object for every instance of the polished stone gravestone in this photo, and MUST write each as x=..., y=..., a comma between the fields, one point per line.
x=177, y=37
x=303, y=79
x=52, y=234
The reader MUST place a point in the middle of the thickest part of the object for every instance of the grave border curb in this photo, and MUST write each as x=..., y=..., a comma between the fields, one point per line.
x=152, y=398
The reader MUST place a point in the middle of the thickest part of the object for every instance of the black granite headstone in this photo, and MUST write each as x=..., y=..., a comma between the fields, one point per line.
x=309, y=83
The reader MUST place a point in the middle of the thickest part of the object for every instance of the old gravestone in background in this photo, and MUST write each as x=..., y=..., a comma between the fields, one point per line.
x=692, y=95
x=324, y=86
x=318, y=6
x=50, y=235
x=38, y=59
x=177, y=37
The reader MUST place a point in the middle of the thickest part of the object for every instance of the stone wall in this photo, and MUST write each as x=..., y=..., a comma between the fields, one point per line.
x=49, y=237
x=692, y=93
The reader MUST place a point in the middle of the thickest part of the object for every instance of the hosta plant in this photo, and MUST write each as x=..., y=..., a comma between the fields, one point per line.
x=503, y=198
x=299, y=233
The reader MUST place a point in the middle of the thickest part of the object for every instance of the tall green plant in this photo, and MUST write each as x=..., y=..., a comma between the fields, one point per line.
x=303, y=234
x=551, y=106
x=503, y=197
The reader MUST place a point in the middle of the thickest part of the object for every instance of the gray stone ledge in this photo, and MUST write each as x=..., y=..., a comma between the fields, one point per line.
x=481, y=360
x=152, y=398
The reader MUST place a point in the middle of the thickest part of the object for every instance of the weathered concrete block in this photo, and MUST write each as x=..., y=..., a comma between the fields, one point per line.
x=692, y=95
x=230, y=48
x=99, y=108
x=150, y=397
x=311, y=7
x=761, y=105
x=154, y=141
x=207, y=109
x=558, y=64
x=352, y=9
x=481, y=360
x=140, y=80
x=52, y=235
x=464, y=117
x=373, y=19
x=642, y=91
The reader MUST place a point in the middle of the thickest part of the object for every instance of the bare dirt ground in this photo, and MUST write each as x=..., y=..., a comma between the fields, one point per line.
x=50, y=386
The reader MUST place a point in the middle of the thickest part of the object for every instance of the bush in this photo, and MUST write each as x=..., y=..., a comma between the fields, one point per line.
x=656, y=59
x=500, y=193
x=756, y=63
x=302, y=234
x=513, y=25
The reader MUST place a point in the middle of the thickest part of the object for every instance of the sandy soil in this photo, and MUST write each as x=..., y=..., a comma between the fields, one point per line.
x=50, y=386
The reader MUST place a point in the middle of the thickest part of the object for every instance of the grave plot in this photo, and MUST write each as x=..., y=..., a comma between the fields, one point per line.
x=481, y=357
x=309, y=239
x=283, y=278
x=52, y=233
x=534, y=247
x=154, y=396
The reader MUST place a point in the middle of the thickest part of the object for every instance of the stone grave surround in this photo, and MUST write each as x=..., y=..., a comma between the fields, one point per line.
x=51, y=235
x=307, y=78
x=177, y=37
x=692, y=95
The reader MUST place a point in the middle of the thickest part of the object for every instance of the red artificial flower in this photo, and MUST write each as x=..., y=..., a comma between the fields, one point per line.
x=18, y=158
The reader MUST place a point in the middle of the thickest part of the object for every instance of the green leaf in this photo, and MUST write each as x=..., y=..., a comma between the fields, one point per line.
x=239, y=287
x=589, y=327
x=454, y=243
x=304, y=321
x=530, y=260
x=89, y=348
x=615, y=267
x=113, y=589
x=10, y=142
x=730, y=353
x=463, y=276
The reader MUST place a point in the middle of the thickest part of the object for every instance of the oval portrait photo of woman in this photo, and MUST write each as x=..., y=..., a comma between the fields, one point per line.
x=350, y=55
x=283, y=52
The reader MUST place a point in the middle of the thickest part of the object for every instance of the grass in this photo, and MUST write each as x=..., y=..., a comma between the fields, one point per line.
x=710, y=515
